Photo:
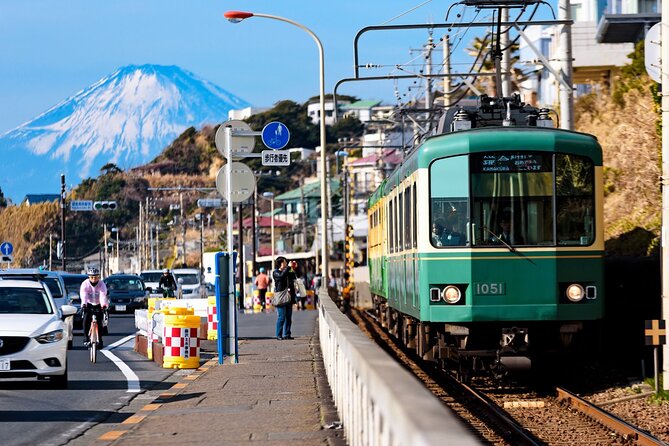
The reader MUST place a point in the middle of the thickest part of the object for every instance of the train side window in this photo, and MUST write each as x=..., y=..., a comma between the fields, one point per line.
x=400, y=219
x=574, y=188
x=415, y=218
x=391, y=226
x=449, y=202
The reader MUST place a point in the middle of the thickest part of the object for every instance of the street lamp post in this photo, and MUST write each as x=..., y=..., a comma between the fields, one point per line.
x=238, y=16
x=270, y=197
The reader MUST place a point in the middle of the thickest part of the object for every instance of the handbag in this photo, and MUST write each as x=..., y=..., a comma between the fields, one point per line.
x=281, y=297
x=300, y=287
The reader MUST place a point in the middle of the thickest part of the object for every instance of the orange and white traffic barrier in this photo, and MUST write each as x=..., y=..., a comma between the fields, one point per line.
x=181, y=339
x=268, y=300
x=212, y=319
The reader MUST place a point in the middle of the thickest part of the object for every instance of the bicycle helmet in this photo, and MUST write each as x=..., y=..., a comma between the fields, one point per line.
x=93, y=271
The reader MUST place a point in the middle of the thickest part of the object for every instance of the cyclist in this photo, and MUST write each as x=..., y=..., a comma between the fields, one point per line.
x=94, y=300
x=167, y=283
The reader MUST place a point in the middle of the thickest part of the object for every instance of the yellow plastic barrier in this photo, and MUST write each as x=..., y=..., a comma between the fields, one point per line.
x=212, y=319
x=309, y=304
x=268, y=300
x=181, y=340
x=256, y=301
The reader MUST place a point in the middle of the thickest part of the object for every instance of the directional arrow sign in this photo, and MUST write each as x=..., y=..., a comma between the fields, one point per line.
x=275, y=135
x=6, y=249
x=81, y=205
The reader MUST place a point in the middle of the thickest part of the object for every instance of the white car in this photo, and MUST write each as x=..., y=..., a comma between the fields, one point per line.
x=33, y=333
x=189, y=282
x=54, y=281
x=151, y=277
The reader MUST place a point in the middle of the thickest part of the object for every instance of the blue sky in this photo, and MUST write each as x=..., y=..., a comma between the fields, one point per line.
x=50, y=50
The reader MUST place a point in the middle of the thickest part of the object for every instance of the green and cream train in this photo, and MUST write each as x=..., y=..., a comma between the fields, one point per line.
x=486, y=243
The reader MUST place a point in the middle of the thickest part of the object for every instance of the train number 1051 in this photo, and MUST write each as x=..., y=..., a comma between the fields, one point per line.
x=489, y=288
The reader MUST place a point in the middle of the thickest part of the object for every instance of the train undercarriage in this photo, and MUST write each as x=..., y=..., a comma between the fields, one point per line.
x=492, y=349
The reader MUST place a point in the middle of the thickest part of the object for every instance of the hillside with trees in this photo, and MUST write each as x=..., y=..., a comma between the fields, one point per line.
x=626, y=120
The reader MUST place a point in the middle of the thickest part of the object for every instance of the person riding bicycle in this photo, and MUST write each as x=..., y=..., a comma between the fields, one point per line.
x=94, y=300
x=167, y=283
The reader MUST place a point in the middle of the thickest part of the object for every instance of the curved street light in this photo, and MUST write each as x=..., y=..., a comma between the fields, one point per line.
x=238, y=16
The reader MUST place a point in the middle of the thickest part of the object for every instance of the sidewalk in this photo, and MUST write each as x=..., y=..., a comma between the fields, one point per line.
x=278, y=394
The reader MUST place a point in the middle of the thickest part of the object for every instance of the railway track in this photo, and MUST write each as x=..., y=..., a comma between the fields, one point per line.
x=511, y=415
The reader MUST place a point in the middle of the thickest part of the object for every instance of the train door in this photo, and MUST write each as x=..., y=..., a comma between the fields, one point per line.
x=414, y=245
x=403, y=254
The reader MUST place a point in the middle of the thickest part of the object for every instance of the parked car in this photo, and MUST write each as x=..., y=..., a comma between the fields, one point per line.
x=189, y=281
x=126, y=292
x=72, y=285
x=33, y=332
x=56, y=287
x=151, y=277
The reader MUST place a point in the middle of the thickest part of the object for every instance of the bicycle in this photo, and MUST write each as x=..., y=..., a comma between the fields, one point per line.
x=94, y=335
x=94, y=338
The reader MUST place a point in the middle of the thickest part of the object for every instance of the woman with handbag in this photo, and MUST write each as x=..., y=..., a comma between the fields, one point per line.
x=283, y=300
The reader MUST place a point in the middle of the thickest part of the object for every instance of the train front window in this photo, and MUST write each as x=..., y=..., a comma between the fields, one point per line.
x=449, y=197
x=512, y=199
x=574, y=180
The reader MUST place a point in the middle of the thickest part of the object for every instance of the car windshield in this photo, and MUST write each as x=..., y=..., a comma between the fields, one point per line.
x=150, y=277
x=51, y=282
x=73, y=283
x=188, y=279
x=124, y=284
x=24, y=301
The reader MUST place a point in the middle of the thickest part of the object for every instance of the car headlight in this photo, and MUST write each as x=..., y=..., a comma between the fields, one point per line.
x=138, y=299
x=51, y=337
x=575, y=292
x=451, y=294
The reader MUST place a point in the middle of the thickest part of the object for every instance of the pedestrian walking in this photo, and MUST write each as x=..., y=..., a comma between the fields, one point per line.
x=262, y=283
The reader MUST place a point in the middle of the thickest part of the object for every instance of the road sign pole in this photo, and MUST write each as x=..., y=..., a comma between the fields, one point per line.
x=62, y=219
x=232, y=308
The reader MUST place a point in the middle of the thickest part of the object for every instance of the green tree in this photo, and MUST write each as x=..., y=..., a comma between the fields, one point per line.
x=3, y=200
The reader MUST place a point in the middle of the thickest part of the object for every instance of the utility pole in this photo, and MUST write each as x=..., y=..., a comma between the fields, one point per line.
x=50, y=250
x=254, y=235
x=242, y=280
x=505, y=42
x=447, y=69
x=106, y=258
x=140, y=251
x=183, y=227
x=565, y=57
x=665, y=183
x=428, y=72
x=62, y=221
x=304, y=216
x=158, y=246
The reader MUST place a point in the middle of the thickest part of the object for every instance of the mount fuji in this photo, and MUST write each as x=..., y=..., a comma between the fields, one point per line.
x=126, y=118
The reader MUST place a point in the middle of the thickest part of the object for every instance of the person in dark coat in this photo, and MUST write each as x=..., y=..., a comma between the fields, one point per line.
x=282, y=280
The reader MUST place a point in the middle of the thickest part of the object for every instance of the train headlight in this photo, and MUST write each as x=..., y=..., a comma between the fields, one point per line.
x=575, y=292
x=451, y=294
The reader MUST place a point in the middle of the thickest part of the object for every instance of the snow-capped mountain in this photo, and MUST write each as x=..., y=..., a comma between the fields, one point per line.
x=126, y=118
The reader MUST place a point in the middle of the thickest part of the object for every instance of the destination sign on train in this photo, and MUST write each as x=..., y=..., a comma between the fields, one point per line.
x=512, y=162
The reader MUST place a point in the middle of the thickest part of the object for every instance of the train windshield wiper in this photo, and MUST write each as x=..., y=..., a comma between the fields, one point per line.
x=509, y=247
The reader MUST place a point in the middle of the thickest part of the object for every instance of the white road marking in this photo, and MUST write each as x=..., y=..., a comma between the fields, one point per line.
x=130, y=376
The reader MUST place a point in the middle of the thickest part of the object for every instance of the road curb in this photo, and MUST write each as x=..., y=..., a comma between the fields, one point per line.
x=134, y=420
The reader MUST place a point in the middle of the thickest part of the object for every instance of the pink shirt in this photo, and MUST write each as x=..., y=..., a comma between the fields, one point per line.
x=95, y=295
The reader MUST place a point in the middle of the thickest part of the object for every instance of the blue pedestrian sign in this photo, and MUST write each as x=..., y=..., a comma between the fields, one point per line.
x=275, y=135
x=6, y=249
